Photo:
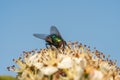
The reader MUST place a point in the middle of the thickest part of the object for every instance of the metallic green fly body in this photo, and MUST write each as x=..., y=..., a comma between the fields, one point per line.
x=54, y=39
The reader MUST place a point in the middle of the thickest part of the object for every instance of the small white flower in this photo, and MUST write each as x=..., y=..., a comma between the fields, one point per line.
x=32, y=59
x=81, y=62
x=104, y=66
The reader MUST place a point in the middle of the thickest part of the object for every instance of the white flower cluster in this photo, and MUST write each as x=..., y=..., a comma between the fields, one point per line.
x=75, y=62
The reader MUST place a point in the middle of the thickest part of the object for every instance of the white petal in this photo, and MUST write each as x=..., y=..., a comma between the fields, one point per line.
x=65, y=63
x=96, y=75
x=38, y=65
x=79, y=73
x=49, y=70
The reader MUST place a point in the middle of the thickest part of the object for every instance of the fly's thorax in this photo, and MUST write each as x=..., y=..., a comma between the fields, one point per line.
x=55, y=38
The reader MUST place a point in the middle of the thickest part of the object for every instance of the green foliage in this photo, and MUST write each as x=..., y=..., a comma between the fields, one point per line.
x=7, y=78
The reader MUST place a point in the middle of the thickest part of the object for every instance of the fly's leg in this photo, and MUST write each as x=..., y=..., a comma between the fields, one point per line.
x=65, y=44
x=47, y=45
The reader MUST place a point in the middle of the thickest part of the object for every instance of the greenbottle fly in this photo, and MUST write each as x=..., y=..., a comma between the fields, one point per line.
x=53, y=39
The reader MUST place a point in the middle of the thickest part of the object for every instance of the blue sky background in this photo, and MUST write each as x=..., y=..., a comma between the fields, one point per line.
x=95, y=23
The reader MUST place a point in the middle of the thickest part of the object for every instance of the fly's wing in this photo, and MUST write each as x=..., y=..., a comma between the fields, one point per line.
x=41, y=36
x=54, y=30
